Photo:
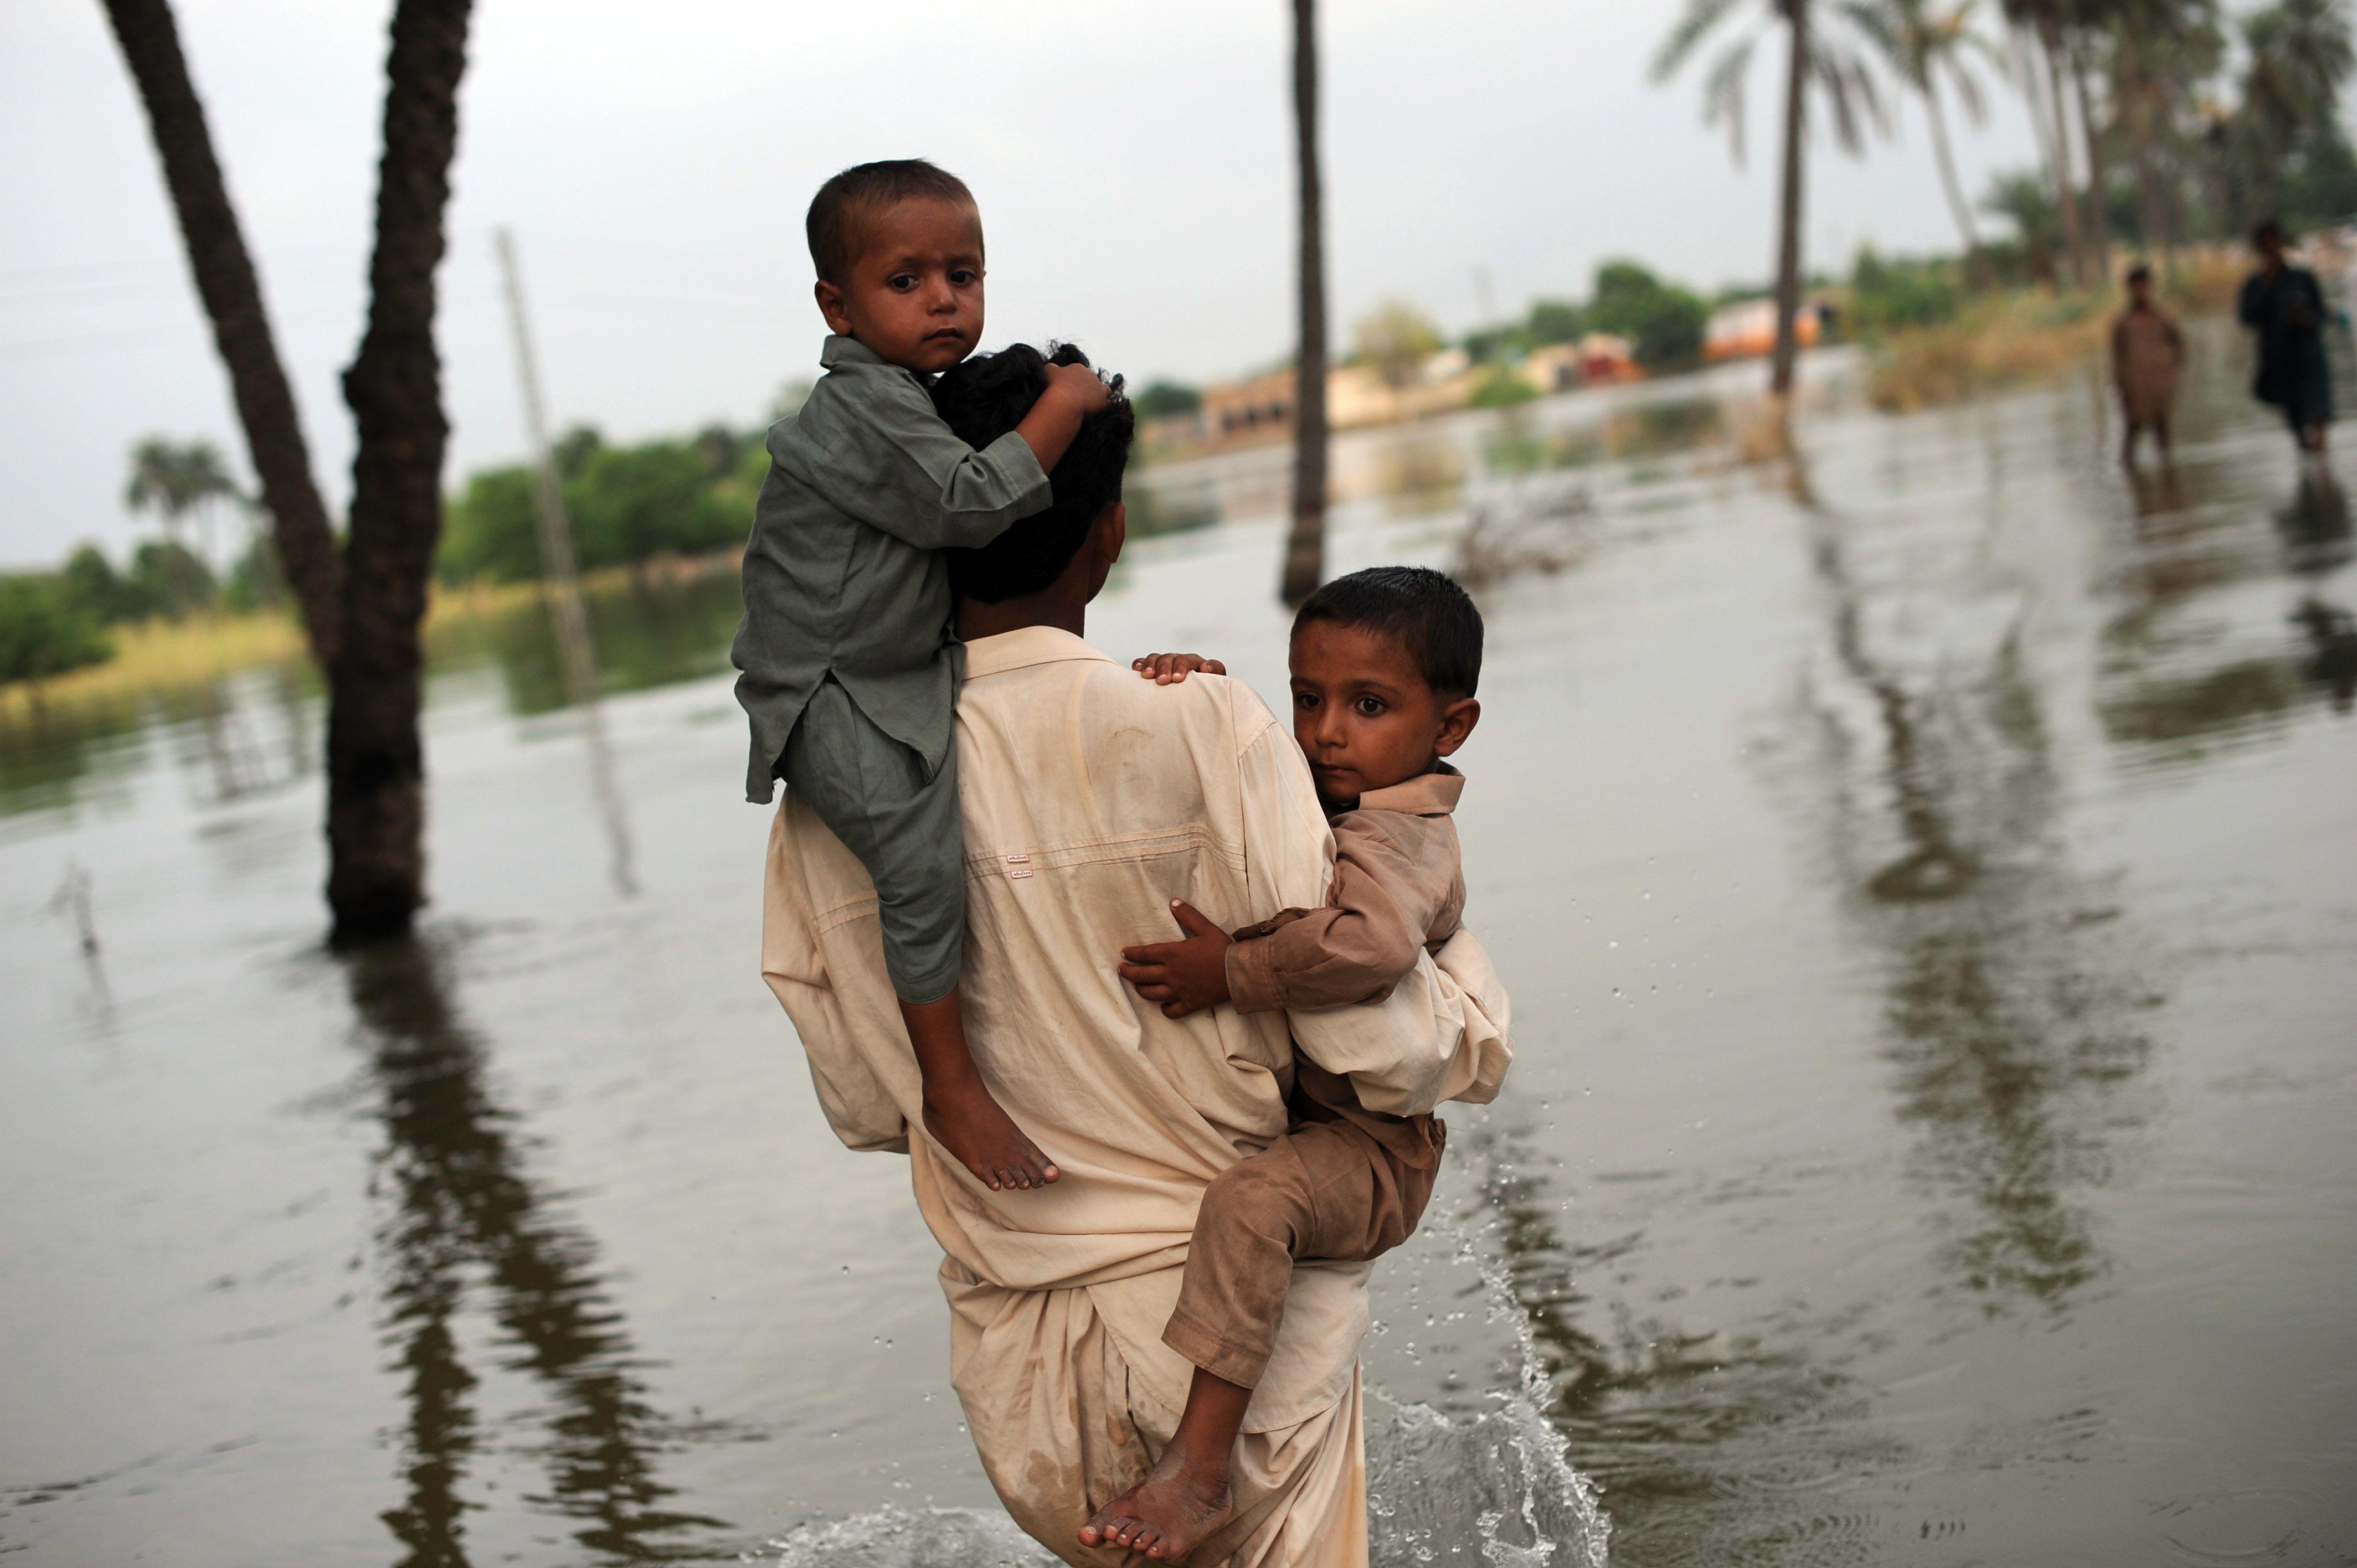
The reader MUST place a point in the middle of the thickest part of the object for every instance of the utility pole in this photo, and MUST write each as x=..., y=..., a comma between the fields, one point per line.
x=560, y=575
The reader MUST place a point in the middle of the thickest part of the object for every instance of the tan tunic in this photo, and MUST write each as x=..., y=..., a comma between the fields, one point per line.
x=1091, y=800
x=2148, y=351
x=1399, y=891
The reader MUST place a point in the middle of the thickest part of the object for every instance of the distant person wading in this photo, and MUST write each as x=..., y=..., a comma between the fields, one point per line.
x=2285, y=305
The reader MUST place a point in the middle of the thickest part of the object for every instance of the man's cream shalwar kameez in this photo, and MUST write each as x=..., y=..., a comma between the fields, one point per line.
x=1092, y=799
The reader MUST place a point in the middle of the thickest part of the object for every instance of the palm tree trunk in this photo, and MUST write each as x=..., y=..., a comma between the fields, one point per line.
x=2098, y=188
x=1788, y=240
x=1957, y=204
x=225, y=282
x=2149, y=212
x=2066, y=198
x=1304, y=545
x=376, y=781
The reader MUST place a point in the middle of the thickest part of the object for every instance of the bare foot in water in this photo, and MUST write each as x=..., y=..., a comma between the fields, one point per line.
x=1167, y=1514
x=982, y=1137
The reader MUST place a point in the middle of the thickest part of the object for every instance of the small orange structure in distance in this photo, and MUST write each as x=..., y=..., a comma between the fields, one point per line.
x=1746, y=329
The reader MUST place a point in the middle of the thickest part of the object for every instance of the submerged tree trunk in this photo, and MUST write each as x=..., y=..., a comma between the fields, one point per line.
x=1788, y=242
x=223, y=272
x=376, y=777
x=361, y=609
x=1305, y=546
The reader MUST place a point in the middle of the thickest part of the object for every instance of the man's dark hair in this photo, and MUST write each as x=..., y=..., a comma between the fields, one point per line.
x=2139, y=274
x=981, y=401
x=844, y=201
x=1423, y=609
x=2269, y=229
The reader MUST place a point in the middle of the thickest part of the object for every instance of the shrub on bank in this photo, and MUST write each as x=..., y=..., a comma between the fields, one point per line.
x=44, y=633
x=628, y=505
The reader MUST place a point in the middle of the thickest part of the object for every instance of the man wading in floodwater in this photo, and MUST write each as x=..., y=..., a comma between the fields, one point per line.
x=2285, y=305
x=1091, y=800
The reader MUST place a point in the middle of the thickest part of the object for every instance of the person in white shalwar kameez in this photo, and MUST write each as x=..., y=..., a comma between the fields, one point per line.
x=1090, y=801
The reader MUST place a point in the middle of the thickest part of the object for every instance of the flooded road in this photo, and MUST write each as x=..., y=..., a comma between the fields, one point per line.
x=1928, y=882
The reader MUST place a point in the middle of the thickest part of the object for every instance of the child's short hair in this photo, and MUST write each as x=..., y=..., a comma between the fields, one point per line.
x=982, y=400
x=2139, y=274
x=836, y=212
x=1426, y=612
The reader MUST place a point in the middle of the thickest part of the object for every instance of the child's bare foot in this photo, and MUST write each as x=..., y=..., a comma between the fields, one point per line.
x=983, y=1138
x=1167, y=1514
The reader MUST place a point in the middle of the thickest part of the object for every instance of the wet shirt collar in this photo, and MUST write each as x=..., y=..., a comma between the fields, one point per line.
x=1024, y=646
x=1433, y=794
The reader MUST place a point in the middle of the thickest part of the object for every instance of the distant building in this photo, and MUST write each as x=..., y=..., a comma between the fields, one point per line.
x=1242, y=410
x=1604, y=357
x=1551, y=368
x=1746, y=329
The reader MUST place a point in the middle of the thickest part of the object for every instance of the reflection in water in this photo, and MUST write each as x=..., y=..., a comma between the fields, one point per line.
x=1689, y=1436
x=2013, y=1014
x=2315, y=525
x=2184, y=677
x=467, y=1219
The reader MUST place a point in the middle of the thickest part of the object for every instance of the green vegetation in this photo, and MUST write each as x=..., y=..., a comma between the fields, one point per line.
x=1161, y=399
x=44, y=630
x=1885, y=296
x=1500, y=387
x=630, y=505
x=1396, y=339
x=1662, y=322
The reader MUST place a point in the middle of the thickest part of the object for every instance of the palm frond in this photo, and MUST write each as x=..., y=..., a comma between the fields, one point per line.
x=1701, y=17
x=1723, y=92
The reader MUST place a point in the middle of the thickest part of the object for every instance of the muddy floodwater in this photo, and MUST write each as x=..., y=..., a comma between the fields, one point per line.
x=1928, y=882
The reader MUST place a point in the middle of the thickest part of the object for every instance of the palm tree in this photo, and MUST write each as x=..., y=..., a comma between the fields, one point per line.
x=1841, y=80
x=1925, y=40
x=2160, y=50
x=2037, y=33
x=2082, y=24
x=2300, y=54
x=173, y=479
x=362, y=602
x=1304, y=545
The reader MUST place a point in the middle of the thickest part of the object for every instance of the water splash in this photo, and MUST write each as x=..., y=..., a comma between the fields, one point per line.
x=1496, y=1487
x=1500, y=1483
x=915, y=1538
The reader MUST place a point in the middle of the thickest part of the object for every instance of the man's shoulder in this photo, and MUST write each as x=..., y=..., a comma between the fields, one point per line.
x=1196, y=706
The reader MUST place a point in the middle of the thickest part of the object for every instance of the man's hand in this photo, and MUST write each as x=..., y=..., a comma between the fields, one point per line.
x=1169, y=669
x=1081, y=385
x=1184, y=976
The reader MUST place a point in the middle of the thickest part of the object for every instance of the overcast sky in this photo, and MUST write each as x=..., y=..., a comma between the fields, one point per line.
x=1132, y=163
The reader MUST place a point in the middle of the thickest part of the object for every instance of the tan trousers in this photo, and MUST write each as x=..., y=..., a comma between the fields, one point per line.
x=1328, y=1189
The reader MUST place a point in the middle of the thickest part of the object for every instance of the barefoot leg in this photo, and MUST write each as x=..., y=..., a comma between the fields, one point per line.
x=1185, y=1497
x=959, y=1109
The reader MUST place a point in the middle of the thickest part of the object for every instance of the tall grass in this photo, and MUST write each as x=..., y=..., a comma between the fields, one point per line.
x=162, y=657
x=2003, y=339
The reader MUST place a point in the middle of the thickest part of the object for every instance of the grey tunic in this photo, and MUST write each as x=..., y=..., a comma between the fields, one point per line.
x=843, y=576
